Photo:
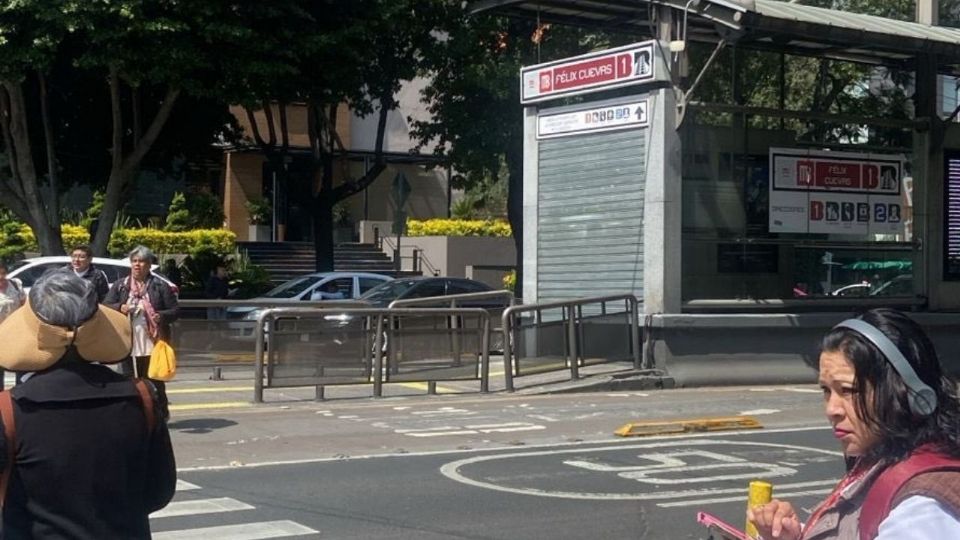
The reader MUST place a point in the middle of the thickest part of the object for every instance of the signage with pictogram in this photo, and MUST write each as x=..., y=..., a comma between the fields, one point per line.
x=592, y=120
x=836, y=192
x=612, y=68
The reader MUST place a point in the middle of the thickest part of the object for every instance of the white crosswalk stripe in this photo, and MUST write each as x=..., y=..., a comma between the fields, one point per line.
x=247, y=531
x=201, y=506
x=182, y=509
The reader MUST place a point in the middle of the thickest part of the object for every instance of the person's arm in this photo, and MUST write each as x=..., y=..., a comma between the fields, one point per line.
x=114, y=299
x=919, y=518
x=102, y=285
x=161, y=469
x=171, y=307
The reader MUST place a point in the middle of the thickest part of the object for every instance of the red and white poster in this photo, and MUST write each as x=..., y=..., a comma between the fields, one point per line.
x=602, y=70
x=822, y=192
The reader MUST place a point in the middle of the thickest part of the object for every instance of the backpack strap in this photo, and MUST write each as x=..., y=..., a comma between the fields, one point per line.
x=146, y=398
x=10, y=436
x=884, y=490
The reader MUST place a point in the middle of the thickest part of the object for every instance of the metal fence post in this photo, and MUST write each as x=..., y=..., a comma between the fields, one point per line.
x=572, y=339
x=485, y=354
x=635, y=332
x=506, y=323
x=378, y=359
x=258, y=359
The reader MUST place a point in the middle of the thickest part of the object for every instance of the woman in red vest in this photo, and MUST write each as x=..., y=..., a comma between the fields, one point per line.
x=897, y=418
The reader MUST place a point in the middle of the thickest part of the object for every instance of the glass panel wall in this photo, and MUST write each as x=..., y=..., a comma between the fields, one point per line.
x=857, y=243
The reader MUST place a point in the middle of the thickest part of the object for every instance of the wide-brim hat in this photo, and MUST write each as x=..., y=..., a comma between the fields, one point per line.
x=29, y=344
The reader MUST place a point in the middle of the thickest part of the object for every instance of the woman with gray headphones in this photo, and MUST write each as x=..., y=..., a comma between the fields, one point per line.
x=896, y=416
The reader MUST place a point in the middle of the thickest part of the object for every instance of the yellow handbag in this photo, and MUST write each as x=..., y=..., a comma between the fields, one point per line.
x=163, y=362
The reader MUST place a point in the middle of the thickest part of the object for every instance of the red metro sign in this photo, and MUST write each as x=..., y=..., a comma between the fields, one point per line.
x=613, y=68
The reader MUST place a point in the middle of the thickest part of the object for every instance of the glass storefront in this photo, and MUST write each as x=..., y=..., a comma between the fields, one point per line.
x=729, y=251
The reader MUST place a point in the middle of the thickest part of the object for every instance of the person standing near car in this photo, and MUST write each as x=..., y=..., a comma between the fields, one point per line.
x=81, y=263
x=151, y=305
x=217, y=288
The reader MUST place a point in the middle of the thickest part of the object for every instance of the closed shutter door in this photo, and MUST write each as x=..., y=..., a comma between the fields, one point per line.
x=590, y=220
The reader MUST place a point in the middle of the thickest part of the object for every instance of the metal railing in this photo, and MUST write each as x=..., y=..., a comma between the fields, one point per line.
x=455, y=300
x=418, y=257
x=381, y=345
x=574, y=333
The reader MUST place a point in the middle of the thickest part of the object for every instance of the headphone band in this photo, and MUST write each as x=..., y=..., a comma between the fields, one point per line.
x=922, y=398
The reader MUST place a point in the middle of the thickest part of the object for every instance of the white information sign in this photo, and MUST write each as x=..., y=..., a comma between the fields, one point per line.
x=602, y=70
x=821, y=192
x=595, y=119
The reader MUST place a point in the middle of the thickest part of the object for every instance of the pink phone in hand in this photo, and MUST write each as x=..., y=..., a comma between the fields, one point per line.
x=719, y=527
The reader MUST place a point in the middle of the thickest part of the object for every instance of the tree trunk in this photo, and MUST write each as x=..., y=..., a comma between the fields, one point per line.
x=323, y=231
x=28, y=201
x=125, y=166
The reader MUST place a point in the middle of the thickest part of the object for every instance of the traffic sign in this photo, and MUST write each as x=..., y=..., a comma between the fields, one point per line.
x=401, y=189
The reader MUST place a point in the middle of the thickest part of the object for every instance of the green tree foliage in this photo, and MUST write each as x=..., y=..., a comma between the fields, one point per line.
x=356, y=53
x=474, y=95
x=199, y=211
x=143, y=57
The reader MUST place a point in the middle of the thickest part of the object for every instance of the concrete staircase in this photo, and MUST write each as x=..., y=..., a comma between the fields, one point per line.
x=286, y=260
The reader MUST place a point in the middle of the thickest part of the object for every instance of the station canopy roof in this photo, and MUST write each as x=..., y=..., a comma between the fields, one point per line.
x=758, y=24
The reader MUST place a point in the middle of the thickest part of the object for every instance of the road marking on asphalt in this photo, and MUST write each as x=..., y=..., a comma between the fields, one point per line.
x=743, y=497
x=758, y=412
x=443, y=411
x=201, y=506
x=470, y=430
x=600, y=444
x=209, y=389
x=789, y=389
x=669, y=463
x=423, y=386
x=243, y=531
x=204, y=406
x=452, y=470
x=183, y=485
x=543, y=417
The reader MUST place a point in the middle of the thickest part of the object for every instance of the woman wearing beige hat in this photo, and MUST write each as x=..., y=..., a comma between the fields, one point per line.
x=86, y=457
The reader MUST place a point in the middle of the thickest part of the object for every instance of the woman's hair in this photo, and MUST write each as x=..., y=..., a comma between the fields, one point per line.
x=143, y=253
x=881, y=395
x=62, y=299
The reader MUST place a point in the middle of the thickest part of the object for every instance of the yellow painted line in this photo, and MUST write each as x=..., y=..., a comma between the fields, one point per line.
x=235, y=357
x=203, y=406
x=668, y=427
x=209, y=389
x=423, y=386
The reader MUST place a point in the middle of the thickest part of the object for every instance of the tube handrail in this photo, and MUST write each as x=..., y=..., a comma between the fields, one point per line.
x=568, y=306
x=453, y=298
x=268, y=316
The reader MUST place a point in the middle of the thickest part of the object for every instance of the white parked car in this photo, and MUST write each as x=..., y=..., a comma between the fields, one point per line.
x=315, y=287
x=29, y=270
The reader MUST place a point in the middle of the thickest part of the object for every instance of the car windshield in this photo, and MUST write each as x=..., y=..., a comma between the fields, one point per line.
x=293, y=287
x=18, y=264
x=389, y=291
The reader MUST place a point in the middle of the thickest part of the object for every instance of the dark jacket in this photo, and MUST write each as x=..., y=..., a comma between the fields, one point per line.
x=86, y=467
x=217, y=288
x=95, y=276
x=161, y=296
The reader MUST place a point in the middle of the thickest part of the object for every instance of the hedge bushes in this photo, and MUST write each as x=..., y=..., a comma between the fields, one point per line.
x=457, y=227
x=219, y=241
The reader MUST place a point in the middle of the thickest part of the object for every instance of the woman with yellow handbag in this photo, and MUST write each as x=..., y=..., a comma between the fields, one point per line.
x=151, y=306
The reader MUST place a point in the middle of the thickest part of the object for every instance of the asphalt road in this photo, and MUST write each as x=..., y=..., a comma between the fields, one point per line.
x=490, y=467
x=649, y=488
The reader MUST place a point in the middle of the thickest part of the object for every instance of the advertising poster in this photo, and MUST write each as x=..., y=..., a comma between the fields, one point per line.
x=821, y=192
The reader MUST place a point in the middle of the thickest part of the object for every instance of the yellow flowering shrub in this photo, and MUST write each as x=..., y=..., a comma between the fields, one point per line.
x=458, y=227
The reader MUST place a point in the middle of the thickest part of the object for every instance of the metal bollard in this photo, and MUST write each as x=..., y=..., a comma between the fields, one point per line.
x=217, y=374
x=760, y=493
x=432, y=388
